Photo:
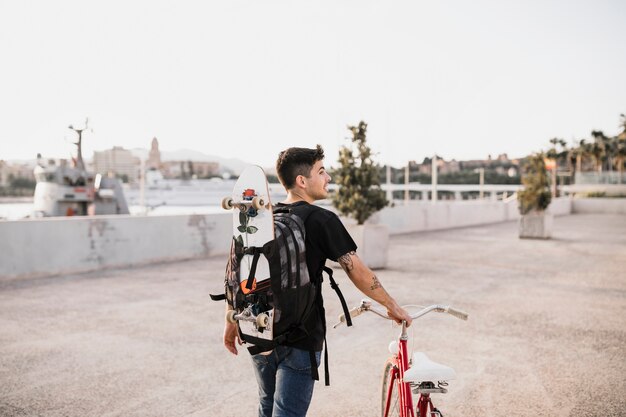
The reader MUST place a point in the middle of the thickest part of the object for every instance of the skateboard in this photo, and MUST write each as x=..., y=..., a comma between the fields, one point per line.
x=253, y=226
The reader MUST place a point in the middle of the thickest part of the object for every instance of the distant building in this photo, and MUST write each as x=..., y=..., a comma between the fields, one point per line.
x=425, y=167
x=154, y=157
x=206, y=169
x=9, y=172
x=4, y=174
x=502, y=165
x=443, y=167
x=473, y=164
x=448, y=167
x=117, y=161
x=171, y=169
x=190, y=169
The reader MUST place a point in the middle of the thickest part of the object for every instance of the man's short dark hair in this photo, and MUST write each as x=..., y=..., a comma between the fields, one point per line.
x=296, y=161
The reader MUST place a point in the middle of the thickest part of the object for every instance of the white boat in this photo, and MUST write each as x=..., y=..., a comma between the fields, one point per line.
x=70, y=190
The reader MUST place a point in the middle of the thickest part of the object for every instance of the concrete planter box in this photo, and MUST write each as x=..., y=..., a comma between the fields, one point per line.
x=372, y=241
x=536, y=225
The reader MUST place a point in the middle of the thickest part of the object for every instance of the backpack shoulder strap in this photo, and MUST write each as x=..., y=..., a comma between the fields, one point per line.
x=335, y=286
x=218, y=297
x=346, y=312
x=303, y=211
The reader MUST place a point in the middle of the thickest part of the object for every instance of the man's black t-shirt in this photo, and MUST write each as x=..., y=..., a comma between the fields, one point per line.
x=326, y=238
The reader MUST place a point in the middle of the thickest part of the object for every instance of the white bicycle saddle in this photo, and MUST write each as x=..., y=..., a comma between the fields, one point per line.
x=423, y=369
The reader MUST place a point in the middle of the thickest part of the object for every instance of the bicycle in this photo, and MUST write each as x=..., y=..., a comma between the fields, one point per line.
x=402, y=376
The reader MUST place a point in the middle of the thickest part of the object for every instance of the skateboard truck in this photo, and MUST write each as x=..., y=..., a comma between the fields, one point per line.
x=255, y=204
x=261, y=320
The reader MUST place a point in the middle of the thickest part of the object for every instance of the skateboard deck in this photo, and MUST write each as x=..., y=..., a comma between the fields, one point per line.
x=253, y=226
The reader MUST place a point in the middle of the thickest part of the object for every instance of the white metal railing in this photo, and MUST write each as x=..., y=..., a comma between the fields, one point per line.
x=588, y=178
x=493, y=191
x=415, y=186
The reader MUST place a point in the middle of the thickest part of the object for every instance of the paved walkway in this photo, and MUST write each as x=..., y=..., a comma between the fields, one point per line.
x=546, y=335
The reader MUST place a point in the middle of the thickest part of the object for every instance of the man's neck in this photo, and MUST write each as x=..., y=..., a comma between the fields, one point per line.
x=295, y=196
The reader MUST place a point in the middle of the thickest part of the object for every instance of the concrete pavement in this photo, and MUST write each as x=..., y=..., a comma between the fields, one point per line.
x=546, y=334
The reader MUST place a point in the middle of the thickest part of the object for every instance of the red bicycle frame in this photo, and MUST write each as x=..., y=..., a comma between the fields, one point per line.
x=398, y=364
x=423, y=404
x=396, y=377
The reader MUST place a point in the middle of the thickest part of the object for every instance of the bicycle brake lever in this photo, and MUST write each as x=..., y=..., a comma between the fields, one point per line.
x=342, y=320
x=353, y=313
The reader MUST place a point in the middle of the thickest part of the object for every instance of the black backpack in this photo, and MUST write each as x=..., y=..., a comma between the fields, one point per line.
x=276, y=309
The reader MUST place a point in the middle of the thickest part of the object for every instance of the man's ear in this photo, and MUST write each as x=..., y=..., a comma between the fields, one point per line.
x=300, y=181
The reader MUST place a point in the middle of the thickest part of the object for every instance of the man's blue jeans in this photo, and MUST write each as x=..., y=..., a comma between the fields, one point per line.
x=285, y=383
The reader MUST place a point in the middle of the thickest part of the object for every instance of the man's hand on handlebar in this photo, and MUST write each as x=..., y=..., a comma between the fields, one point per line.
x=398, y=314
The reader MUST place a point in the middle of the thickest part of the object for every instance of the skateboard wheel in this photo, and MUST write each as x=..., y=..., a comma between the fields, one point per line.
x=227, y=203
x=258, y=203
x=230, y=316
x=242, y=207
x=262, y=320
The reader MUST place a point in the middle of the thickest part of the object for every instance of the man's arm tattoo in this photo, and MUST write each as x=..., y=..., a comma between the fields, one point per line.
x=346, y=261
x=375, y=283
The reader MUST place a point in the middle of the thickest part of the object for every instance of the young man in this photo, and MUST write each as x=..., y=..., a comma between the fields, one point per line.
x=284, y=375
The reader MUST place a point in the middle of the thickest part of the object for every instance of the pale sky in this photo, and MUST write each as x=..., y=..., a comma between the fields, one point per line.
x=246, y=79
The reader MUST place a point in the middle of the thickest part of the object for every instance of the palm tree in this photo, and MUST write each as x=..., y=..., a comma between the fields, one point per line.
x=598, y=148
x=580, y=152
x=572, y=160
x=620, y=147
x=622, y=136
x=561, y=157
x=553, y=153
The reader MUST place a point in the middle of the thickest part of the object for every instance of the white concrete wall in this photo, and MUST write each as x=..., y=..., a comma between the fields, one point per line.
x=561, y=206
x=599, y=205
x=425, y=215
x=40, y=247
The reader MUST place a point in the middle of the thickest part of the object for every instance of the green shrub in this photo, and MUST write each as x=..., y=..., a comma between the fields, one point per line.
x=359, y=194
x=536, y=193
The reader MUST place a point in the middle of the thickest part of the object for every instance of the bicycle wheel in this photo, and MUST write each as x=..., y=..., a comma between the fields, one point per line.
x=389, y=378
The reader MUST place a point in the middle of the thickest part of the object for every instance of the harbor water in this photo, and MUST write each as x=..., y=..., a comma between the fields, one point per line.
x=169, y=197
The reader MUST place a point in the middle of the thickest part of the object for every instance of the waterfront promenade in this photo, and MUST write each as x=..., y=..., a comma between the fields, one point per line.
x=546, y=334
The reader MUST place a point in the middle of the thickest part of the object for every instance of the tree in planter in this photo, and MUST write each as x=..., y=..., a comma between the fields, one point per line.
x=359, y=194
x=536, y=193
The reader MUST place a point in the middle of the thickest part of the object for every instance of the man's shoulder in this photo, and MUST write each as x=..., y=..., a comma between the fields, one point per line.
x=312, y=214
x=319, y=214
x=304, y=207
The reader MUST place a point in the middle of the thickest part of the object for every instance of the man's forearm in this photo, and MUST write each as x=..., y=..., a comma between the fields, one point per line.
x=365, y=279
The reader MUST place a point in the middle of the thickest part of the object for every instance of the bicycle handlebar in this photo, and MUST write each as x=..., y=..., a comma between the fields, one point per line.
x=366, y=305
x=353, y=313
x=457, y=313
